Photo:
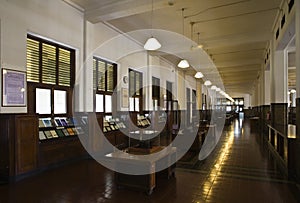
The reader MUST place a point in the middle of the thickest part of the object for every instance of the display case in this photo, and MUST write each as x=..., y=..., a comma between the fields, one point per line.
x=143, y=120
x=112, y=124
x=59, y=139
x=114, y=128
x=59, y=127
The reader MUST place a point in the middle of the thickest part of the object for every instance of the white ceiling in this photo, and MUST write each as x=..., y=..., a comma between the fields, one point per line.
x=235, y=33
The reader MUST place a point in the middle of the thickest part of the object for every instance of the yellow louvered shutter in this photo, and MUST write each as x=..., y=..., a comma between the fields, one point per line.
x=33, y=70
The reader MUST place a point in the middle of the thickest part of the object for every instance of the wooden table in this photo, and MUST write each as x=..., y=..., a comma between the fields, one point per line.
x=145, y=182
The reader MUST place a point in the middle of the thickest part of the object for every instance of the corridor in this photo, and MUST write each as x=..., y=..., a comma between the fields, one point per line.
x=240, y=169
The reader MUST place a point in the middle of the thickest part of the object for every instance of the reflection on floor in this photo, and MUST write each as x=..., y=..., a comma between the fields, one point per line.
x=239, y=170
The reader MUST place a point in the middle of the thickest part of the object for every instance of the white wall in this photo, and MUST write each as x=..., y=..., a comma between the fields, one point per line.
x=51, y=19
x=181, y=89
x=108, y=44
x=184, y=81
x=59, y=22
x=267, y=88
x=247, y=101
x=191, y=82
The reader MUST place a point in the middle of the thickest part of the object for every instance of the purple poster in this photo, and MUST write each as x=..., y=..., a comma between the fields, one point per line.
x=13, y=88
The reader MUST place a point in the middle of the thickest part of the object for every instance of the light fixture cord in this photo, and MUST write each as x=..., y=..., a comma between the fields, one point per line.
x=151, y=18
x=192, y=30
x=182, y=23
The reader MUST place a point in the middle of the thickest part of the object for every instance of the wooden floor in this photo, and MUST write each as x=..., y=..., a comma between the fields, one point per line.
x=239, y=170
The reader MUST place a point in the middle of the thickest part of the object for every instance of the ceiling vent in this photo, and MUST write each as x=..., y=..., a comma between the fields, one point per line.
x=282, y=21
x=291, y=5
x=277, y=33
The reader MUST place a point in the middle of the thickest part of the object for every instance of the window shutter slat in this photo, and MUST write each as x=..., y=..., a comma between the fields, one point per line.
x=94, y=73
x=138, y=85
x=131, y=84
x=110, y=78
x=32, y=60
x=48, y=64
x=64, y=67
x=101, y=76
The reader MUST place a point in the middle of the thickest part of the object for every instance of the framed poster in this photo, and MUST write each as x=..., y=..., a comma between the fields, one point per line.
x=124, y=95
x=13, y=88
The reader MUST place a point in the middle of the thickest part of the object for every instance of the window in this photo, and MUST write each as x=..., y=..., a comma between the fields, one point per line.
x=194, y=99
x=155, y=92
x=105, y=80
x=108, y=102
x=43, y=101
x=228, y=108
x=49, y=63
x=135, y=90
x=60, y=102
x=188, y=106
x=169, y=91
x=99, y=103
x=50, y=77
x=204, y=101
x=237, y=105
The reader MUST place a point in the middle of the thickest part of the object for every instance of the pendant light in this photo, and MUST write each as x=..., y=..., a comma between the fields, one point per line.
x=152, y=43
x=207, y=83
x=199, y=46
x=183, y=63
x=199, y=75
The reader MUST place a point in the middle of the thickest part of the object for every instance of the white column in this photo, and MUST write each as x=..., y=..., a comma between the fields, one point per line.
x=258, y=93
x=181, y=89
x=148, y=105
x=262, y=87
x=199, y=94
x=253, y=99
x=267, y=88
x=279, y=77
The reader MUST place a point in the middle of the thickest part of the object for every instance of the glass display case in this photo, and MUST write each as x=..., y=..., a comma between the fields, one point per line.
x=50, y=128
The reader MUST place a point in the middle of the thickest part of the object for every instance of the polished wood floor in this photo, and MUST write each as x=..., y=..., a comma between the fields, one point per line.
x=239, y=170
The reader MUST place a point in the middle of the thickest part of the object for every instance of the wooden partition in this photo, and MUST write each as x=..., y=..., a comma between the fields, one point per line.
x=6, y=145
x=18, y=144
x=22, y=153
x=283, y=148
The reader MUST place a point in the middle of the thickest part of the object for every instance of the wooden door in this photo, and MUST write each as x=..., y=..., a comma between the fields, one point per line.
x=26, y=136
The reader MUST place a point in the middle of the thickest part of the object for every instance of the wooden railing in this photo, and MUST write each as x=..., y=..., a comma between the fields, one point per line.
x=283, y=147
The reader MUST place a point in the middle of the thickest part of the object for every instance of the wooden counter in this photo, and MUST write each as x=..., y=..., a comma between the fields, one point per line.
x=145, y=182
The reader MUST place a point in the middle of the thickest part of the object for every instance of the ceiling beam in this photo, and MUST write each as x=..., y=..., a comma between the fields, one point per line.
x=237, y=63
x=122, y=9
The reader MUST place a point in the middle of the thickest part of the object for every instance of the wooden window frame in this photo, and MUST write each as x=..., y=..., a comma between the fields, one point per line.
x=105, y=91
x=140, y=96
x=57, y=46
x=156, y=89
x=169, y=91
x=32, y=86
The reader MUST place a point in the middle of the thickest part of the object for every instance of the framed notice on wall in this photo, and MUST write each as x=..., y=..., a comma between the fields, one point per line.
x=13, y=88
